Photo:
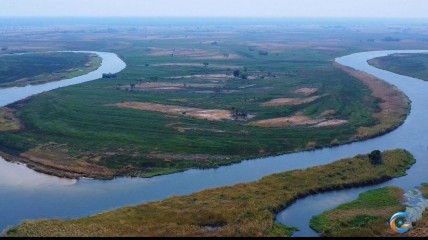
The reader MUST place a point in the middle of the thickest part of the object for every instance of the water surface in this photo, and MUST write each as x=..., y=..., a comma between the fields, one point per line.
x=25, y=194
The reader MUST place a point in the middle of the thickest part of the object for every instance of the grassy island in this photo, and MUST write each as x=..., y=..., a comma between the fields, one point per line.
x=242, y=210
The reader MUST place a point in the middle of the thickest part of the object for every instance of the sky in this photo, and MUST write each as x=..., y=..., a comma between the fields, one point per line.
x=217, y=8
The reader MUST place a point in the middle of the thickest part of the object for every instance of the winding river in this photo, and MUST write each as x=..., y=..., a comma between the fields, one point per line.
x=25, y=194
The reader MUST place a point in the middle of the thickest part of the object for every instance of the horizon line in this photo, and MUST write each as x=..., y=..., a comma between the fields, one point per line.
x=235, y=17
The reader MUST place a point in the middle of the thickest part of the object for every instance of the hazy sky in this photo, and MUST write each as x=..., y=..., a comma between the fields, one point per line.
x=217, y=8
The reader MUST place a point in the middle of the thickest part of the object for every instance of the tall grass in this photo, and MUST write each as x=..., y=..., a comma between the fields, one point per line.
x=241, y=210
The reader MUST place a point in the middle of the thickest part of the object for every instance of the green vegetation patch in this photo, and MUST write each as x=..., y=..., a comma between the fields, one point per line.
x=413, y=65
x=38, y=68
x=87, y=126
x=244, y=209
x=366, y=216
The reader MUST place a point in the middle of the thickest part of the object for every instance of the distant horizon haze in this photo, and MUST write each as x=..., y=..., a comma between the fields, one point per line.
x=412, y=9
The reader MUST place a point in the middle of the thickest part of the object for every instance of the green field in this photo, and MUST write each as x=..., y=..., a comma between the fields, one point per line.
x=81, y=131
x=366, y=216
x=413, y=65
x=38, y=68
x=242, y=210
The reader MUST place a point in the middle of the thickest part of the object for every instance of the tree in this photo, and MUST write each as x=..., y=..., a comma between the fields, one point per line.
x=206, y=64
x=236, y=73
x=375, y=157
x=109, y=75
x=132, y=85
x=239, y=114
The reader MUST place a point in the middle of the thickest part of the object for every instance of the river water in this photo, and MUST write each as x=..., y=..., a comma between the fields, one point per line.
x=25, y=194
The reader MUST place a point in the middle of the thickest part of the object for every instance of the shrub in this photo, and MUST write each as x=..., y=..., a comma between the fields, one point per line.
x=375, y=157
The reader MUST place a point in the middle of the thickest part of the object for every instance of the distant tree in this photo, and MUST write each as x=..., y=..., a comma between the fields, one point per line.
x=244, y=75
x=239, y=113
x=4, y=48
x=205, y=64
x=263, y=53
x=375, y=157
x=146, y=65
x=132, y=85
x=109, y=75
x=236, y=73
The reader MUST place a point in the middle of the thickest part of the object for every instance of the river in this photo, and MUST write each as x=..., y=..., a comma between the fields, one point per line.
x=25, y=194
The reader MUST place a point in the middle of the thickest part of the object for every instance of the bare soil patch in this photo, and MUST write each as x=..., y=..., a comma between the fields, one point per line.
x=206, y=114
x=306, y=91
x=298, y=120
x=170, y=86
x=285, y=121
x=331, y=123
x=289, y=101
x=8, y=120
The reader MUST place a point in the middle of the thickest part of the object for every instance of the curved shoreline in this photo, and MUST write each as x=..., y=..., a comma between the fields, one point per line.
x=339, y=196
x=398, y=113
x=110, y=63
x=94, y=61
x=78, y=199
x=14, y=94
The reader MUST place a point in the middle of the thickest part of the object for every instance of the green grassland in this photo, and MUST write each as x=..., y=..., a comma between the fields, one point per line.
x=75, y=131
x=367, y=215
x=242, y=210
x=38, y=68
x=364, y=217
x=413, y=65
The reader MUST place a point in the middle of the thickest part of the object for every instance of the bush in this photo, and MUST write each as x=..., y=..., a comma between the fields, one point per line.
x=375, y=157
x=109, y=75
x=236, y=73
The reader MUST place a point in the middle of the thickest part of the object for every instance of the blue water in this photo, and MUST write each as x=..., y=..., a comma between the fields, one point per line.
x=25, y=194
x=411, y=136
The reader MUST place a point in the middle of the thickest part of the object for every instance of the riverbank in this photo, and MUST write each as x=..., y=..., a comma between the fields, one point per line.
x=241, y=210
x=413, y=65
x=389, y=111
x=366, y=216
x=40, y=68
